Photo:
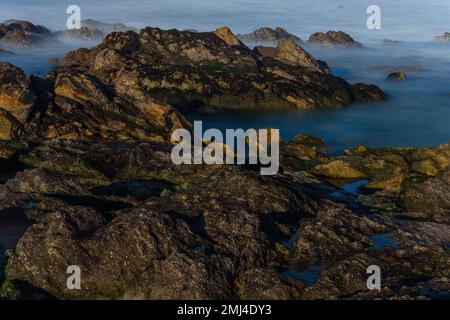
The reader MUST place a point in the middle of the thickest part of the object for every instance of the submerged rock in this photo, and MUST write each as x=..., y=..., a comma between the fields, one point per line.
x=397, y=76
x=333, y=39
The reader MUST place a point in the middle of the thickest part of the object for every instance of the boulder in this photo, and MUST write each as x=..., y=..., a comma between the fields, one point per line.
x=268, y=36
x=289, y=52
x=333, y=39
x=226, y=35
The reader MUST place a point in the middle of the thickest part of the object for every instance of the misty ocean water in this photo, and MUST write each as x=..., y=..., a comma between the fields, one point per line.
x=416, y=112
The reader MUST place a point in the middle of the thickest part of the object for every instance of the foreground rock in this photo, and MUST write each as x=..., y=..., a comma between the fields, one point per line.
x=333, y=39
x=142, y=228
x=268, y=36
x=73, y=104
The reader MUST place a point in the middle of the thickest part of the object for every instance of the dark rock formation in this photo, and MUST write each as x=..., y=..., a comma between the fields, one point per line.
x=268, y=36
x=333, y=39
x=203, y=70
x=196, y=237
x=72, y=104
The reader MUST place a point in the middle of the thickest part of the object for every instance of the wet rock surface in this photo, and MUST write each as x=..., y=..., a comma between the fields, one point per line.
x=142, y=228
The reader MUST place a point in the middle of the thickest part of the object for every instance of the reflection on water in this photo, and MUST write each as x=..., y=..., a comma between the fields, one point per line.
x=416, y=112
x=384, y=241
x=13, y=224
x=310, y=276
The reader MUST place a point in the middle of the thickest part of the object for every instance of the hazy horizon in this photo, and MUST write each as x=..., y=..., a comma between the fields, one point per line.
x=411, y=20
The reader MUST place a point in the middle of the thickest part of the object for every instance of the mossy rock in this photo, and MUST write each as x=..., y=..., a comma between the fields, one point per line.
x=338, y=169
x=426, y=167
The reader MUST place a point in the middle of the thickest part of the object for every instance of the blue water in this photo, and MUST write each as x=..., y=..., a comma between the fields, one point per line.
x=310, y=276
x=385, y=241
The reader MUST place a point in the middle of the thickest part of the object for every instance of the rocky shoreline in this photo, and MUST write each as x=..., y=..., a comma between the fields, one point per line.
x=85, y=160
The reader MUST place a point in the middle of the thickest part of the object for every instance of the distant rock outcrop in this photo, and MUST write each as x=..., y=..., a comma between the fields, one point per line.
x=93, y=30
x=80, y=34
x=333, y=39
x=19, y=34
x=26, y=26
x=105, y=28
x=444, y=37
x=268, y=36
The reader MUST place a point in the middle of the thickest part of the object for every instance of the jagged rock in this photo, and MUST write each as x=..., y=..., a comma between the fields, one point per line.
x=333, y=39
x=200, y=70
x=268, y=36
x=261, y=284
x=41, y=181
x=430, y=196
x=199, y=238
x=397, y=76
x=289, y=52
x=73, y=104
x=336, y=234
x=226, y=35
x=10, y=127
x=15, y=94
